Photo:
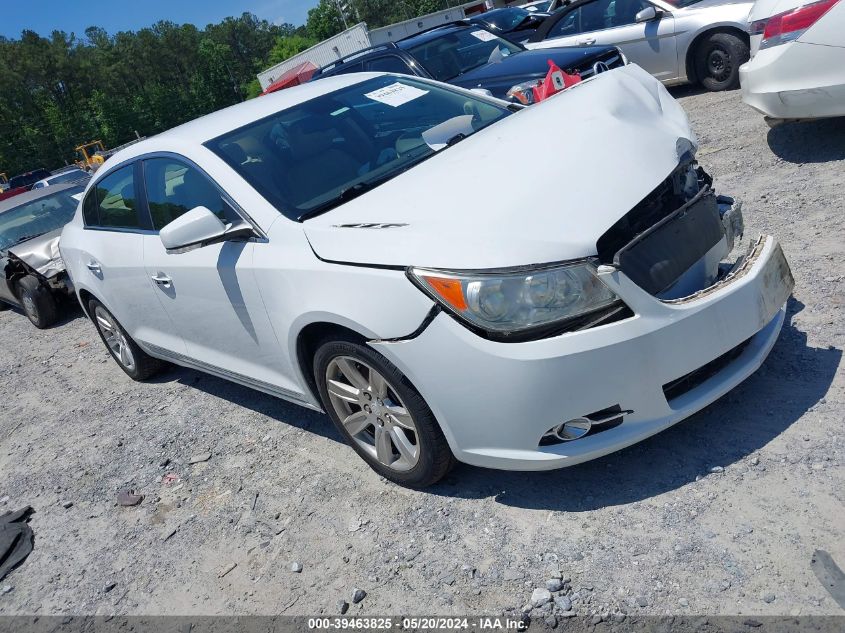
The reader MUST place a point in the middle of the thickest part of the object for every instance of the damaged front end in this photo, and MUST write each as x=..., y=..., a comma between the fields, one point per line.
x=678, y=240
x=41, y=258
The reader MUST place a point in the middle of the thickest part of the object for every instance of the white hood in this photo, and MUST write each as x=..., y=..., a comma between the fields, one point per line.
x=539, y=186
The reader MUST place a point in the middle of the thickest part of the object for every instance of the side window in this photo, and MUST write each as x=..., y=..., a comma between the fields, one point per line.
x=388, y=64
x=112, y=204
x=567, y=25
x=174, y=188
x=345, y=69
x=624, y=12
x=599, y=15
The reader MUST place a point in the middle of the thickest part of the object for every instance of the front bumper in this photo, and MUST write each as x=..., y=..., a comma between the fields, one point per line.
x=495, y=400
x=795, y=81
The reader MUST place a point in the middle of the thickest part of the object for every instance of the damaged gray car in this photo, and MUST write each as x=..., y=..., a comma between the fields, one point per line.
x=34, y=275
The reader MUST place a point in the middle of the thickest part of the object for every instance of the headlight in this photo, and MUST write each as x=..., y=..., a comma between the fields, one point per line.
x=524, y=92
x=506, y=302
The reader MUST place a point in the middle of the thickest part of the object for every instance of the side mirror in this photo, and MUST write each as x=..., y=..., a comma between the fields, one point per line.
x=199, y=227
x=647, y=15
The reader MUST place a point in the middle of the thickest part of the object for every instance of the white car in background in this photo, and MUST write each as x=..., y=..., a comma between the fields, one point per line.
x=797, y=68
x=63, y=177
x=677, y=41
x=323, y=244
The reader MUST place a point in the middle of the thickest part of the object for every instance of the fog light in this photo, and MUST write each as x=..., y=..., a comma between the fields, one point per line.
x=572, y=430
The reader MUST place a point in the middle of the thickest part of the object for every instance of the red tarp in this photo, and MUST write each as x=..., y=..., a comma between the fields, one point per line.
x=295, y=76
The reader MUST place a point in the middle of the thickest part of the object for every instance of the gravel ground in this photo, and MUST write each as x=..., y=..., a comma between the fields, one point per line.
x=719, y=515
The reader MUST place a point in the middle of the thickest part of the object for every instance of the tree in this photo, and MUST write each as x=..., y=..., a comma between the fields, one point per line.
x=60, y=91
x=287, y=47
x=324, y=20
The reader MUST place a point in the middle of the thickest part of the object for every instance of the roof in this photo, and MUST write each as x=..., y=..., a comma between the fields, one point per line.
x=212, y=125
x=22, y=198
x=432, y=34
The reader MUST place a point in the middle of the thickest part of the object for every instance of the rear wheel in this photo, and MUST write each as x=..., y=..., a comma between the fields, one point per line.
x=38, y=302
x=380, y=414
x=717, y=61
x=137, y=364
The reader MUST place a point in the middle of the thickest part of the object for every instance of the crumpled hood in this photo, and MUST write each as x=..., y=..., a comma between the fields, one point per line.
x=539, y=186
x=41, y=253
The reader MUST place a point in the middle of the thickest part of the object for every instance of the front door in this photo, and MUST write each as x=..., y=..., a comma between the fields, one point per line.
x=210, y=292
x=651, y=45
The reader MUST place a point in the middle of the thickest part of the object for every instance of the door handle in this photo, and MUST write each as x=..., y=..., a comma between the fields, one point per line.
x=161, y=279
x=94, y=266
x=587, y=40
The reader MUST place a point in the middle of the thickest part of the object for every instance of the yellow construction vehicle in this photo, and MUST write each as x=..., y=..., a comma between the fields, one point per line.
x=91, y=156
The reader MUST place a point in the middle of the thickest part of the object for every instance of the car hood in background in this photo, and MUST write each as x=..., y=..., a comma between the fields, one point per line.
x=501, y=76
x=539, y=186
x=41, y=254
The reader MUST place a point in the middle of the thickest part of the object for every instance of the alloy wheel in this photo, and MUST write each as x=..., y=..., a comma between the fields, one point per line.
x=373, y=413
x=115, y=339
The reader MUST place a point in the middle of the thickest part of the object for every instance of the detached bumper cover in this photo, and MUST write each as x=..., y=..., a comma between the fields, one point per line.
x=496, y=400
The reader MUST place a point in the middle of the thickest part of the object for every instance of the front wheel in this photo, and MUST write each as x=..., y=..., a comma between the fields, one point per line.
x=717, y=61
x=137, y=364
x=38, y=302
x=380, y=414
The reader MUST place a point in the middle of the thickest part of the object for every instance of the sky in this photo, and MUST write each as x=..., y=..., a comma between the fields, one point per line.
x=45, y=16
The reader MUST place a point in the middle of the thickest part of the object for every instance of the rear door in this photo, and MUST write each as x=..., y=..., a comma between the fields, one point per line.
x=114, y=260
x=210, y=293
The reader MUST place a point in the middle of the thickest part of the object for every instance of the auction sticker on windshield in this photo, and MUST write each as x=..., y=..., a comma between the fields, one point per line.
x=396, y=94
x=484, y=36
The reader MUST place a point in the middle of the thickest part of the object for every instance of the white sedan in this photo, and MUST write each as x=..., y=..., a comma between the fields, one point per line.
x=364, y=245
x=797, y=69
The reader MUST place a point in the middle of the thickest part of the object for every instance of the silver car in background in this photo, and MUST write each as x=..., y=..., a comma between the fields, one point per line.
x=677, y=41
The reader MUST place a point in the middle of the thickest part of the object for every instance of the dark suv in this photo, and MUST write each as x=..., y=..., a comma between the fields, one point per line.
x=469, y=56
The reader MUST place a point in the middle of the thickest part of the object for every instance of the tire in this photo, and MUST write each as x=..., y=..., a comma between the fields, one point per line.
x=134, y=361
x=717, y=61
x=397, y=414
x=38, y=302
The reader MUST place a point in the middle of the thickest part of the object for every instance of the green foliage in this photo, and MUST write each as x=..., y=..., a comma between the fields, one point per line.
x=60, y=91
x=324, y=20
x=289, y=46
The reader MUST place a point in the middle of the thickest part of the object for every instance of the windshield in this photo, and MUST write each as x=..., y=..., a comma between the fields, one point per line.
x=316, y=155
x=455, y=53
x=37, y=217
x=505, y=19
